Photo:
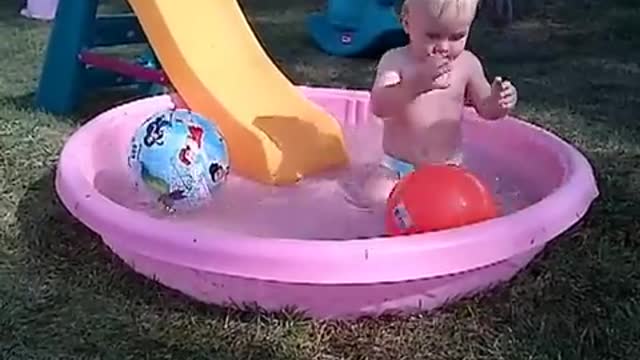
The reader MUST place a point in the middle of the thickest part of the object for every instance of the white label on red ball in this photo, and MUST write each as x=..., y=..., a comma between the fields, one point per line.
x=402, y=217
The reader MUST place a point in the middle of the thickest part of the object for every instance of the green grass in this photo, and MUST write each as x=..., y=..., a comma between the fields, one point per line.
x=64, y=296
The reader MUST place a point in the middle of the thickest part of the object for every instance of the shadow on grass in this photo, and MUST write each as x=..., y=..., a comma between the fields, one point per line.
x=10, y=10
x=83, y=277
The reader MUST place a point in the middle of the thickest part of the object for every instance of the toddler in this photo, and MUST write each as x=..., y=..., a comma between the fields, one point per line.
x=419, y=94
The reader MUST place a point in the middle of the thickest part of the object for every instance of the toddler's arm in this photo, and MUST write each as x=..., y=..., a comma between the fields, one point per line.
x=388, y=96
x=491, y=101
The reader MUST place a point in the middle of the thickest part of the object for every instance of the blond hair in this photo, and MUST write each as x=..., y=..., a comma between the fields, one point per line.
x=441, y=8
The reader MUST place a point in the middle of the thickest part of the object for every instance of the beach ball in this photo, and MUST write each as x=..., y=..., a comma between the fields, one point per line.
x=179, y=158
x=437, y=197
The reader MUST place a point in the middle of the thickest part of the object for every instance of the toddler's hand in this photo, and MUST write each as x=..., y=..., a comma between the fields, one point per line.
x=439, y=69
x=432, y=73
x=503, y=94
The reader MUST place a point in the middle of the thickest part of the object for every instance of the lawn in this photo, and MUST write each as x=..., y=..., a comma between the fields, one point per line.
x=64, y=296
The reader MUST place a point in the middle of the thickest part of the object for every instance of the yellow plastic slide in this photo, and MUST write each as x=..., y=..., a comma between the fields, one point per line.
x=218, y=66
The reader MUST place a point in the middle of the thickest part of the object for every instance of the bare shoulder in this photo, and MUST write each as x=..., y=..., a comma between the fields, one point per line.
x=472, y=66
x=393, y=58
x=470, y=61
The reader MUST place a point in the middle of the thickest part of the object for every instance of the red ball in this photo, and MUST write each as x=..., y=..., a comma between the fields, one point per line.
x=437, y=197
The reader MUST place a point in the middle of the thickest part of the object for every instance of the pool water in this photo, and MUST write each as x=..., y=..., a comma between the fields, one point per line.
x=317, y=207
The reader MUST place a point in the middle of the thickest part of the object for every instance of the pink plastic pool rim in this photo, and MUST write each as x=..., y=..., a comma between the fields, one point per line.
x=329, y=276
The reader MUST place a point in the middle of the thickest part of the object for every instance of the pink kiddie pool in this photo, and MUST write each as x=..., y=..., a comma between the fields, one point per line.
x=304, y=246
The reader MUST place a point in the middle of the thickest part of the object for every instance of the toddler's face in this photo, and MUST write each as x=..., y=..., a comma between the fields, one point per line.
x=442, y=33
